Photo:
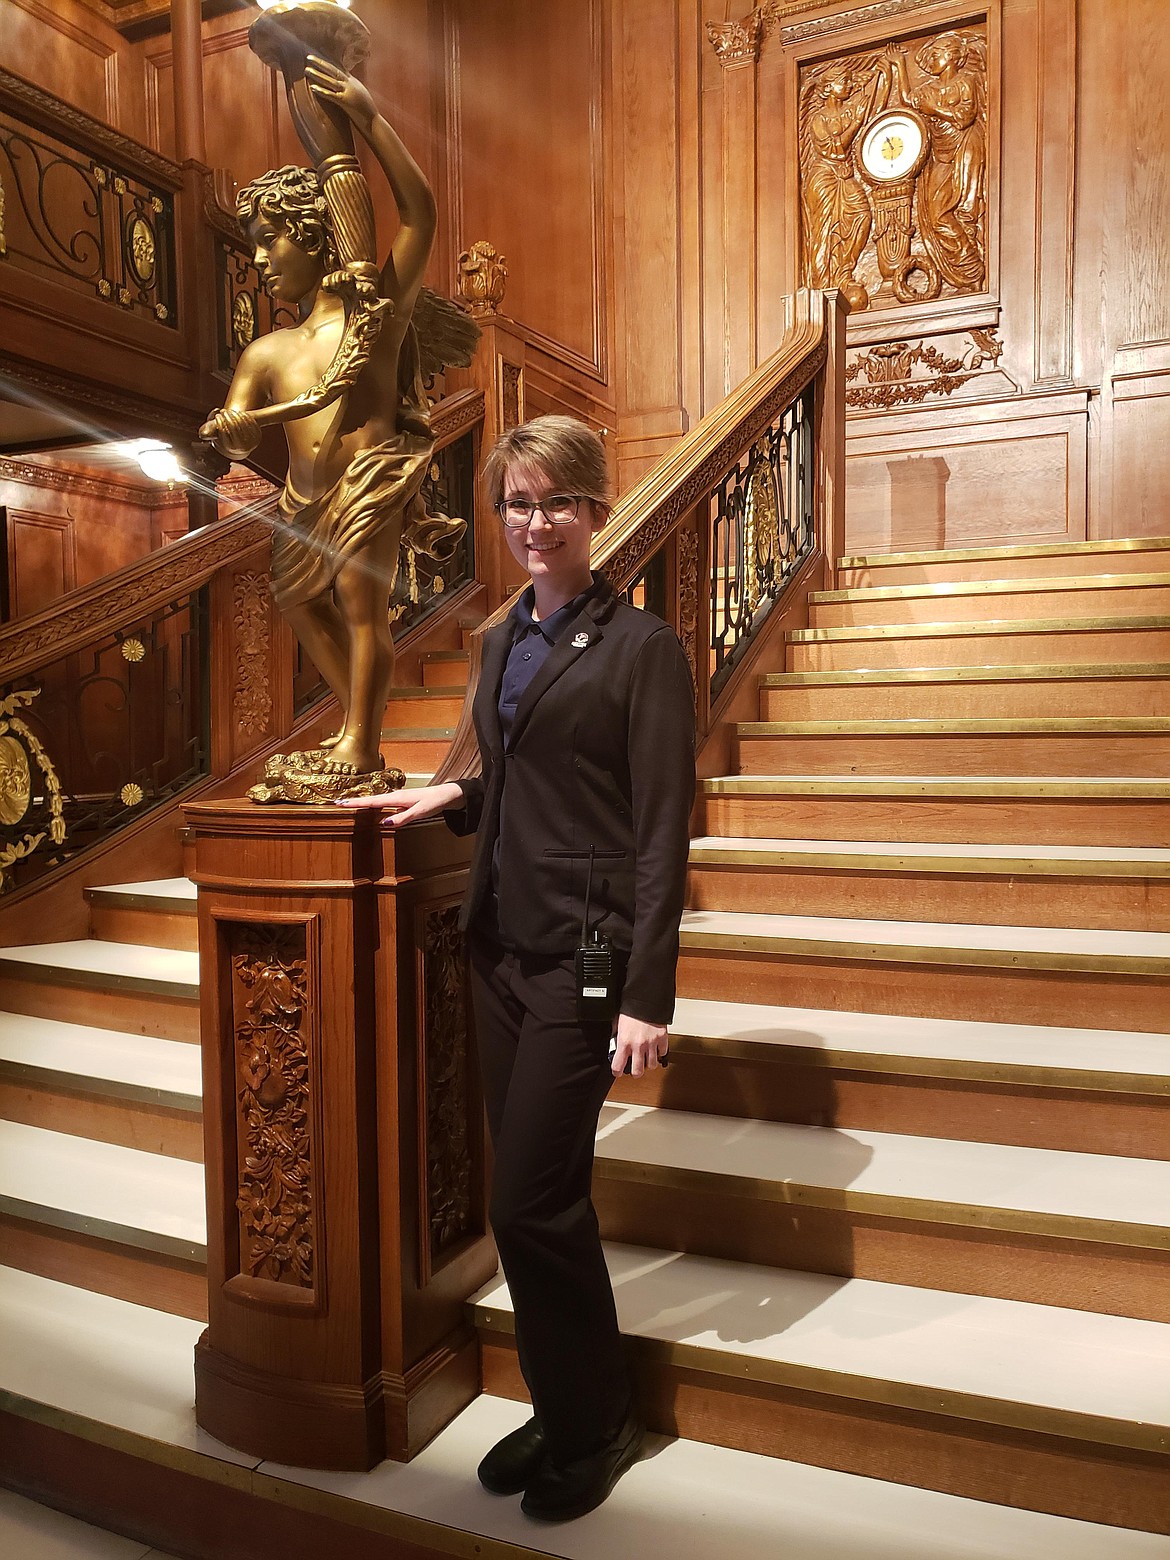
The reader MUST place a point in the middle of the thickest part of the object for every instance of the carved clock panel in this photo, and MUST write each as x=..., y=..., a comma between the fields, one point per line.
x=893, y=155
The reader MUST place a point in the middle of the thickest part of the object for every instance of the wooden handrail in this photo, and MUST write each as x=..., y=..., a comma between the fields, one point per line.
x=71, y=125
x=644, y=518
x=122, y=598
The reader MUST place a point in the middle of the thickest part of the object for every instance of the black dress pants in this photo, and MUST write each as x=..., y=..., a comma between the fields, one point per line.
x=545, y=1078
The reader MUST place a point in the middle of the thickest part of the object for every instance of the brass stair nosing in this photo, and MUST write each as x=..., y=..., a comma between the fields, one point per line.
x=985, y=627
x=888, y=1205
x=1056, y=584
x=1070, y=671
x=1027, y=725
x=940, y=787
x=1023, y=550
x=248, y=1479
x=1029, y=1075
x=155, y=1241
x=98, y=980
x=56, y=1079
x=844, y=951
x=123, y=899
x=948, y=866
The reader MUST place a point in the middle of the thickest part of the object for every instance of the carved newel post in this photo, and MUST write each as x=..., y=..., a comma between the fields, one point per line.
x=343, y=1133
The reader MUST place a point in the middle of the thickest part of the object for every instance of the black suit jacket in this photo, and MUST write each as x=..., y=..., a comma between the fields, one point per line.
x=602, y=753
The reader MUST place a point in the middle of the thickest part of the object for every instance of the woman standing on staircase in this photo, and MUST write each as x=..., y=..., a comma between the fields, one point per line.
x=585, y=720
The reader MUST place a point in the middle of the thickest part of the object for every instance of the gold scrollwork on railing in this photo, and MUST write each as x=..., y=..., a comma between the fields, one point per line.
x=19, y=751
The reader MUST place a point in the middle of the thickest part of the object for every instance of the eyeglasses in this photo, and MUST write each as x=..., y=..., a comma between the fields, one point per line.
x=557, y=509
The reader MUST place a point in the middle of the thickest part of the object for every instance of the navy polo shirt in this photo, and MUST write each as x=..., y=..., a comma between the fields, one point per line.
x=531, y=642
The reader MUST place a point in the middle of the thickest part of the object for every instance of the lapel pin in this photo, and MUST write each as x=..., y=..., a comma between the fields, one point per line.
x=580, y=641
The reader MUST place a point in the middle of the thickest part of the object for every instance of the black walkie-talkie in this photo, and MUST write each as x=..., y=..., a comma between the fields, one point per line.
x=595, y=994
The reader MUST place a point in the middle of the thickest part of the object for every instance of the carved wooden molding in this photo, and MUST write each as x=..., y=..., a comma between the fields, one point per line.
x=52, y=114
x=899, y=233
x=273, y=1084
x=739, y=43
x=511, y=395
x=37, y=475
x=447, y=1103
x=252, y=627
x=452, y=416
x=688, y=597
x=129, y=408
x=904, y=373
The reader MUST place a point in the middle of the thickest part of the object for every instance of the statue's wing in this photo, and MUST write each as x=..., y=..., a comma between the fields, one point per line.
x=447, y=334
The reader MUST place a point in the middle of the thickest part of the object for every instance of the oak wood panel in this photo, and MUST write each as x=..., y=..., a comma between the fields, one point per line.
x=525, y=127
x=1071, y=647
x=134, y=1124
x=711, y=1221
x=150, y=1279
x=1042, y=755
x=1041, y=820
x=1136, y=904
x=996, y=996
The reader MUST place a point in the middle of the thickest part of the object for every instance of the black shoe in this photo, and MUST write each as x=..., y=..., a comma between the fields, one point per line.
x=559, y=1494
x=512, y=1462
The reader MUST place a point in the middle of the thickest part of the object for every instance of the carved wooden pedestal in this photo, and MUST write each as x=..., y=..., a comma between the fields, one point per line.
x=343, y=1131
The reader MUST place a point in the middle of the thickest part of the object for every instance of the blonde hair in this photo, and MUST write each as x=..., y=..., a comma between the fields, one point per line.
x=566, y=452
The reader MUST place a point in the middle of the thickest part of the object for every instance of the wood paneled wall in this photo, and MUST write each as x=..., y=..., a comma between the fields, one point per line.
x=645, y=192
x=65, y=528
x=1065, y=430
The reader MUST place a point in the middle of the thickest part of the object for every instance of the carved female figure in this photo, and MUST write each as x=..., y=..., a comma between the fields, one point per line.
x=951, y=98
x=838, y=217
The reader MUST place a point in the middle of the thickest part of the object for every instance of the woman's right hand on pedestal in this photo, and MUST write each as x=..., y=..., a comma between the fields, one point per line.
x=410, y=806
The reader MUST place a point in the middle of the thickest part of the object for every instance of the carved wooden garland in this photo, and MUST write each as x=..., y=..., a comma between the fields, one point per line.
x=448, y=1101
x=273, y=1106
x=251, y=694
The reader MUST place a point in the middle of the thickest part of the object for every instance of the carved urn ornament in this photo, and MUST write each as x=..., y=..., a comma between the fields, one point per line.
x=483, y=276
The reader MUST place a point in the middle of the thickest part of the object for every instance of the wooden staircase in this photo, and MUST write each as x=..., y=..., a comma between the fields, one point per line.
x=901, y=1205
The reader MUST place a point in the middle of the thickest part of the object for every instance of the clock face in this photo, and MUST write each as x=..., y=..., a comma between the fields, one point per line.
x=892, y=146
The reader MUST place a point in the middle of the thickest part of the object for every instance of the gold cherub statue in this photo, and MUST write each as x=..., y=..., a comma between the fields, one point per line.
x=346, y=382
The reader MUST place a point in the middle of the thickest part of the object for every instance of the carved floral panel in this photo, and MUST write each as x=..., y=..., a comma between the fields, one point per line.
x=449, y=1103
x=893, y=146
x=274, y=1106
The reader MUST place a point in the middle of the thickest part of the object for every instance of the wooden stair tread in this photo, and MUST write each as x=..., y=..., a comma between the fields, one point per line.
x=978, y=1185
x=92, y=960
x=895, y=856
x=148, y=1201
x=936, y=785
x=1054, y=584
x=127, y=1367
x=1006, y=1362
x=1027, y=725
x=1023, y=550
x=1095, y=1058
x=417, y=733
x=1022, y=946
x=130, y=1066
x=174, y=896
x=1036, y=672
x=944, y=629
x=128, y=1372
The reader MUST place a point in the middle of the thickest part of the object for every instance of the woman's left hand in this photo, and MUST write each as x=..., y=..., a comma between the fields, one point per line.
x=641, y=1044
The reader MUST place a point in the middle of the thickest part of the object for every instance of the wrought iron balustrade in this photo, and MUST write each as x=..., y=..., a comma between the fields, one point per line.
x=762, y=529
x=91, y=739
x=246, y=309
x=86, y=221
